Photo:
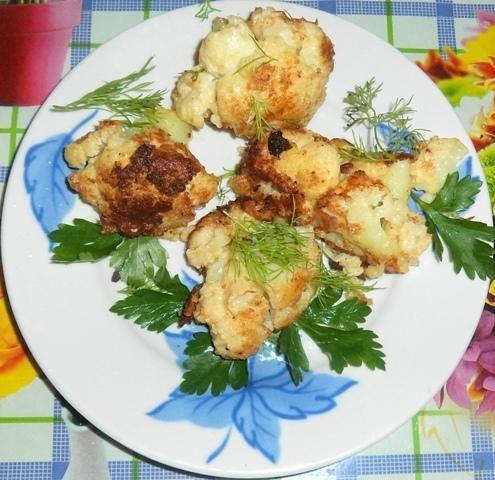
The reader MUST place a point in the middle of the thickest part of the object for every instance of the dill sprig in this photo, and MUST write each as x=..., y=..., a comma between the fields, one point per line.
x=263, y=55
x=223, y=188
x=266, y=250
x=205, y=10
x=256, y=117
x=126, y=97
x=328, y=278
x=402, y=139
x=194, y=72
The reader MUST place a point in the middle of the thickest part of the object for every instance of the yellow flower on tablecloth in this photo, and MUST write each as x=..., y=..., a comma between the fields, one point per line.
x=16, y=370
x=480, y=48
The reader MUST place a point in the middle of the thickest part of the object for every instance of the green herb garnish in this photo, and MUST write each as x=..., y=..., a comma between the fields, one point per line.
x=335, y=328
x=264, y=56
x=154, y=299
x=328, y=278
x=158, y=308
x=223, y=188
x=204, y=369
x=290, y=345
x=266, y=250
x=205, y=10
x=256, y=117
x=403, y=139
x=469, y=243
x=127, y=98
x=82, y=242
x=136, y=258
x=194, y=72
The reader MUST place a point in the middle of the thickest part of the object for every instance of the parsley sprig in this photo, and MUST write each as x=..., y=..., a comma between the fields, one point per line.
x=290, y=345
x=135, y=260
x=82, y=242
x=156, y=307
x=360, y=111
x=469, y=243
x=127, y=98
x=205, y=370
x=335, y=327
x=153, y=299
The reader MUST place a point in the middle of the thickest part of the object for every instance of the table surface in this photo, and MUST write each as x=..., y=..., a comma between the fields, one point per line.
x=447, y=443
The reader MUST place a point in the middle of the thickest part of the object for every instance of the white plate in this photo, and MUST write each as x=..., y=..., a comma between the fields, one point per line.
x=115, y=374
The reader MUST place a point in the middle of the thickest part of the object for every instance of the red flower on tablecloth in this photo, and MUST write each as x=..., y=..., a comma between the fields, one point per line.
x=438, y=68
x=486, y=70
x=484, y=133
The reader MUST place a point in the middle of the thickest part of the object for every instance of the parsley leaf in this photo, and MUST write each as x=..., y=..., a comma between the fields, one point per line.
x=205, y=369
x=289, y=344
x=155, y=310
x=468, y=242
x=456, y=194
x=135, y=260
x=82, y=242
x=334, y=327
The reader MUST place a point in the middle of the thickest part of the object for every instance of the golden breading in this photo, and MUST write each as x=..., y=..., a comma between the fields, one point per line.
x=272, y=58
x=239, y=312
x=146, y=184
x=363, y=218
x=283, y=176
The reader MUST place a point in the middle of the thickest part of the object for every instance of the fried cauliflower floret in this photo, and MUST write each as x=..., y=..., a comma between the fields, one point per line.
x=361, y=217
x=197, y=99
x=285, y=175
x=239, y=312
x=280, y=63
x=145, y=184
x=395, y=176
x=436, y=159
x=224, y=49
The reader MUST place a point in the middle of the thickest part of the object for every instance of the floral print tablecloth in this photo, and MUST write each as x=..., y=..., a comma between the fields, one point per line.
x=454, y=43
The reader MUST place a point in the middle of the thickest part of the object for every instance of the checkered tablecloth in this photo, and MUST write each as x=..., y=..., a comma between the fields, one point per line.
x=436, y=444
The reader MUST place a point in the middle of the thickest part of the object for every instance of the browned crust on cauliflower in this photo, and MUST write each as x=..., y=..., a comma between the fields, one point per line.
x=282, y=176
x=143, y=185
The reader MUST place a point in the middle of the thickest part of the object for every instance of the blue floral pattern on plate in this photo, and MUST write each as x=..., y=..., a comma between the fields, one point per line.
x=256, y=410
x=45, y=178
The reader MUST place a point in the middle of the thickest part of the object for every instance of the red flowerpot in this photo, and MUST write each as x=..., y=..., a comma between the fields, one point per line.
x=34, y=40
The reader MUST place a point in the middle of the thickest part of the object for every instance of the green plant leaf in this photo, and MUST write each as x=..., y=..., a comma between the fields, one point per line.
x=82, y=242
x=205, y=370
